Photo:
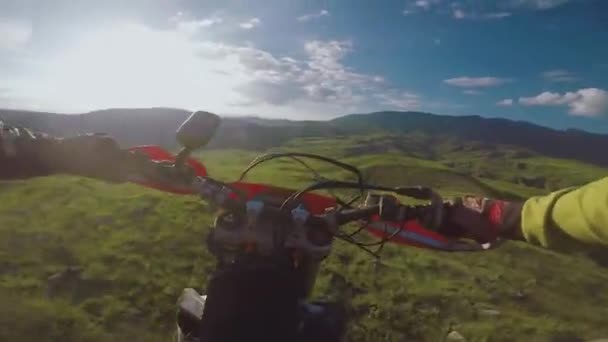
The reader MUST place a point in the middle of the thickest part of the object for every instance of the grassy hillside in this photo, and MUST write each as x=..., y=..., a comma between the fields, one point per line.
x=512, y=171
x=572, y=144
x=137, y=248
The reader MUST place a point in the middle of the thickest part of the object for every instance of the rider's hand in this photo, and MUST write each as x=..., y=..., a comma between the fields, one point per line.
x=90, y=155
x=25, y=154
x=17, y=153
x=482, y=219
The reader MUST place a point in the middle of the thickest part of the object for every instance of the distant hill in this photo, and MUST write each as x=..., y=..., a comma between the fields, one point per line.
x=157, y=126
x=571, y=144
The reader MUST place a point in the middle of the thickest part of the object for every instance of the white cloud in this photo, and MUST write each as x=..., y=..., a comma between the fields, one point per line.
x=590, y=102
x=399, y=100
x=319, y=80
x=179, y=16
x=547, y=99
x=583, y=102
x=424, y=4
x=476, y=82
x=496, y=15
x=189, y=25
x=459, y=14
x=472, y=92
x=415, y=6
x=311, y=16
x=251, y=23
x=194, y=26
x=559, y=76
x=505, y=102
x=210, y=21
x=538, y=4
x=327, y=55
x=14, y=34
x=474, y=10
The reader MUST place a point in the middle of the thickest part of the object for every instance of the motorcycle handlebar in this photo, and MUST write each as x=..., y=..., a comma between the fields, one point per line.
x=223, y=195
x=383, y=207
x=388, y=208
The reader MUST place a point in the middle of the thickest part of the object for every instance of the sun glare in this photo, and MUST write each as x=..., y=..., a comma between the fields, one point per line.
x=132, y=65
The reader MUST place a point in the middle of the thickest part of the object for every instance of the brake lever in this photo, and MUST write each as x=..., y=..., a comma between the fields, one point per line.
x=431, y=217
x=418, y=226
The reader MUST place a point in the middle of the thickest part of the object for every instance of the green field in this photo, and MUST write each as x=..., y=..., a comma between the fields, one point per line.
x=138, y=248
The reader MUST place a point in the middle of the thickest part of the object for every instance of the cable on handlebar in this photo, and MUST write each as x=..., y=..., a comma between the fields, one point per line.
x=417, y=192
x=365, y=246
x=318, y=177
x=414, y=192
x=295, y=156
x=269, y=156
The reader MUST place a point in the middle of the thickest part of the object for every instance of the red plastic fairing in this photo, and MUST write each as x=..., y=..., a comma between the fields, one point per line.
x=159, y=154
x=315, y=203
x=412, y=234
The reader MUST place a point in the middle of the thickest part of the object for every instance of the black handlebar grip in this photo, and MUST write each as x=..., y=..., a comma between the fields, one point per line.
x=351, y=215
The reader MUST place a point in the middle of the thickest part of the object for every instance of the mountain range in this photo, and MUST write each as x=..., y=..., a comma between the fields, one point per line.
x=157, y=126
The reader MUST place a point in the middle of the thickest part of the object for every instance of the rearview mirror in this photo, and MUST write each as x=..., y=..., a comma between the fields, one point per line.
x=197, y=130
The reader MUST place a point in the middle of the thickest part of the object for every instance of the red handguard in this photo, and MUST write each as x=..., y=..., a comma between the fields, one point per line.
x=495, y=216
x=410, y=233
x=159, y=154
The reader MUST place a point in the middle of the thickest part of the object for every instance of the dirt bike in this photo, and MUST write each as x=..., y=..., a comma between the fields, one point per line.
x=270, y=241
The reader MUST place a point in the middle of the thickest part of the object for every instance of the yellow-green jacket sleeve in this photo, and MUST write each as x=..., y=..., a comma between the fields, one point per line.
x=568, y=219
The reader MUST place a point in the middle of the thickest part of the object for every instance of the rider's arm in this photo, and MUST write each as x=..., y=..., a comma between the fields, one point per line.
x=573, y=219
x=17, y=156
x=24, y=154
x=567, y=218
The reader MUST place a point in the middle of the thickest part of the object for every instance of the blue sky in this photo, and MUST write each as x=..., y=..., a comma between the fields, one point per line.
x=544, y=61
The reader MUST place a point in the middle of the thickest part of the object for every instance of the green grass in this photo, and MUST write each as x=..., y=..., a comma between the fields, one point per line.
x=135, y=245
x=138, y=248
x=497, y=166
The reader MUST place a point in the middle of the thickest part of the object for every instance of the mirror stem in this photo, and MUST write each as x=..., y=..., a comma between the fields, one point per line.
x=181, y=157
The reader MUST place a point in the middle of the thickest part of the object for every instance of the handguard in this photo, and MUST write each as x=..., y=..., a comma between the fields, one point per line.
x=159, y=155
